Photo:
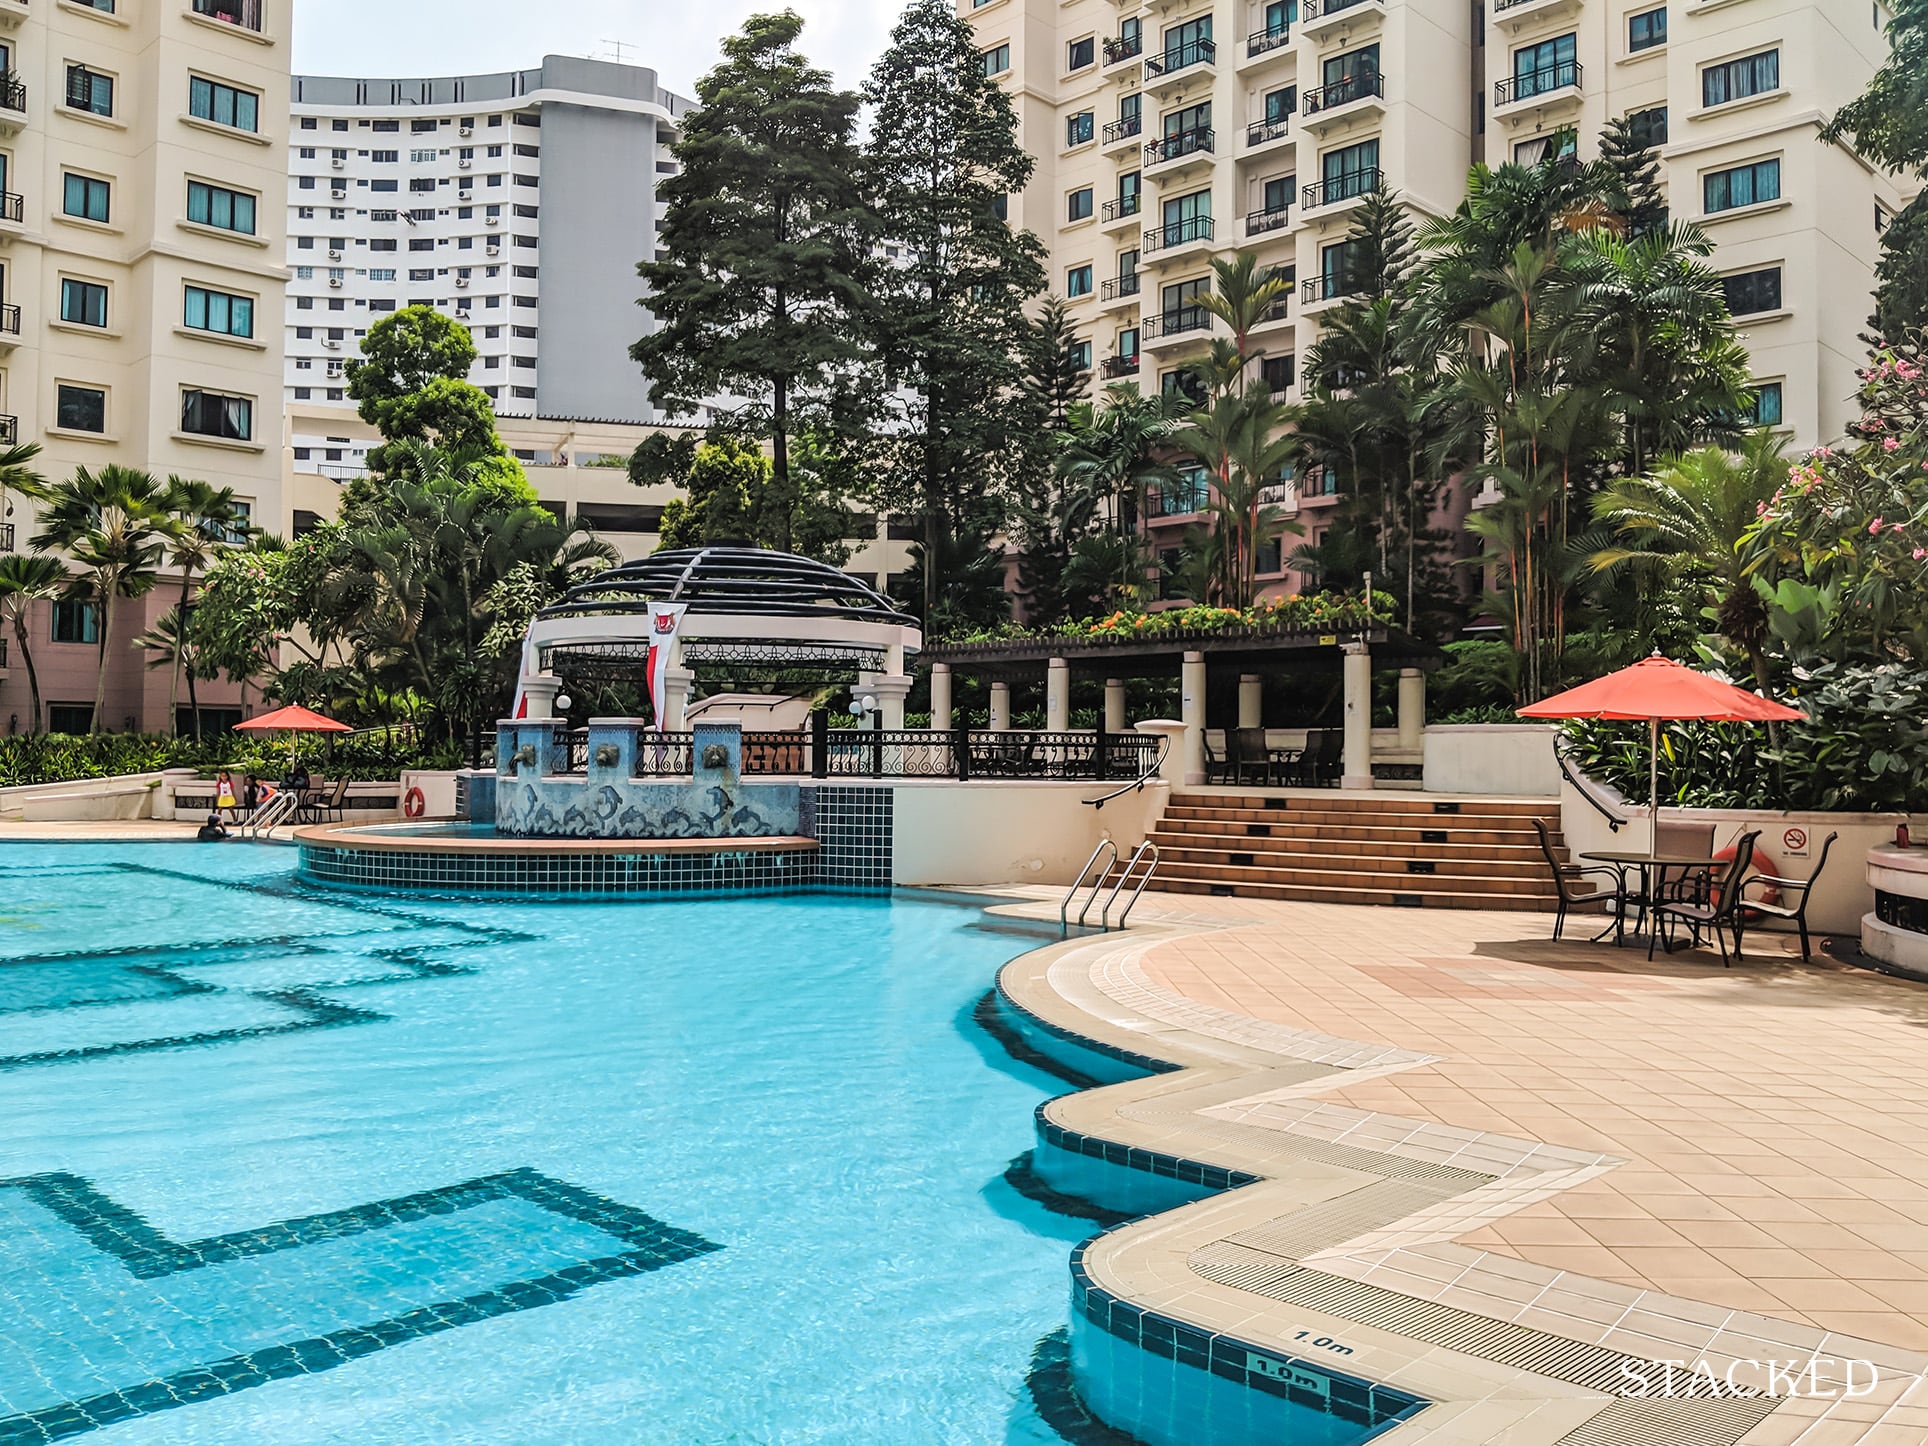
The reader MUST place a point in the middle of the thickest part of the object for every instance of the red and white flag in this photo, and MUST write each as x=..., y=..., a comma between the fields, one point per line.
x=664, y=621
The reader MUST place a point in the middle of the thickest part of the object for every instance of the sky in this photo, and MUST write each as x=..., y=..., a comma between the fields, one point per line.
x=676, y=38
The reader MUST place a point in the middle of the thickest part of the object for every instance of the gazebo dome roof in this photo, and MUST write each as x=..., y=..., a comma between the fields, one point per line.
x=730, y=578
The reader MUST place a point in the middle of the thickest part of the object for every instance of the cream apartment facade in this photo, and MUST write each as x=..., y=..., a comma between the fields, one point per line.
x=143, y=155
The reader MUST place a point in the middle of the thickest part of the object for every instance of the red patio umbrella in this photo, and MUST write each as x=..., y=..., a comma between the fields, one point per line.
x=291, y=720
x=1658, y=688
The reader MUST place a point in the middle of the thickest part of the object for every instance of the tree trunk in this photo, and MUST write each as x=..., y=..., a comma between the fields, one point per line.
x=780, y=456
x=180, y=658
x=193, y=704
x=100, y=672
x=26, y=661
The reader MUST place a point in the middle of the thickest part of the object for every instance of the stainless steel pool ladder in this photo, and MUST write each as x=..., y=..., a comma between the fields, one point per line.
x=272, y=814
x=1106, y=850
x=1146, y=852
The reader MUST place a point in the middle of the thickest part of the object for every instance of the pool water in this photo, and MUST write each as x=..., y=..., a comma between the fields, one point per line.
x=285, y=1166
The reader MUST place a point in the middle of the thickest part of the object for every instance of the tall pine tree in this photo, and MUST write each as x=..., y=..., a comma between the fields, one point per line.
x=760, y=278
x=943, y=159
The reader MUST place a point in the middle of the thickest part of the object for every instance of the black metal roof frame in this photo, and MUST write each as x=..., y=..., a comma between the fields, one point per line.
x=1255, y=649
x=727, y=578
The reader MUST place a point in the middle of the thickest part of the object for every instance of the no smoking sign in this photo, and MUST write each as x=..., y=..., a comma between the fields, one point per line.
x=1795, y=841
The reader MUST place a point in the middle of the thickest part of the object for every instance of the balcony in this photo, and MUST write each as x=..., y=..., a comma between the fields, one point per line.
x=243, y=13
x=1119, y=131
x=13, y=206
x=1258, y=223
x=1355, y=95
x=13, y=14
x=9, y=430
x=1173, y=235
x=1123, y=48
x=1116, y=368
x=1280, y=311
x=1123, y=287
x=1549, y=85
x=1514, y=15
x=1282, y=495
x=1347, y=186
x=1196, y=144
x=1177, y=500
x=1265, y=42
x=1318, y=16
x=6, y=537
x=1175, y=323
x=1121, y=209
x=9, y=325
x=13, y=102
x=1267, y=134
x=1318, y=485
x=1179, y=60
x=1328, y=286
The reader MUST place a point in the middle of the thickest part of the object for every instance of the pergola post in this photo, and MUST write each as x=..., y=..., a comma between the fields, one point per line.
x=1000, y=707
x=1115, y=705
x=1251, y=701
x=941, y=697
x=1357, y=766
x=1412, y=710
x=539, y=691
x=1191, y=711
x=890, y=690
x=1057, y=696
x=676, y=701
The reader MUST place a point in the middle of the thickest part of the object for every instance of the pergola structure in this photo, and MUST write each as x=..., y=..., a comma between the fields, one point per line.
x=749, y=612
x=1188, y=654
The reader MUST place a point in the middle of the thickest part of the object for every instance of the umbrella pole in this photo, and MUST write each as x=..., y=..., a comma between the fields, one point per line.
x=1653, y=780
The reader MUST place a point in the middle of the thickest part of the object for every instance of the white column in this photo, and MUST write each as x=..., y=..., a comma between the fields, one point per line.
x=1191, y=710
x=1057, y=696
x=941, y=696
x=1358, y=690
x=1251, y=701
x=890, y=691
x=1000, y=707
x=1412, y=710
x=1114, y=705
x=540, y=689
x=676, y=687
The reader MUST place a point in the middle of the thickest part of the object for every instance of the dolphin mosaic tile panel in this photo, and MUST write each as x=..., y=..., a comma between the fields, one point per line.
x=574, y=808
x=172, y=1323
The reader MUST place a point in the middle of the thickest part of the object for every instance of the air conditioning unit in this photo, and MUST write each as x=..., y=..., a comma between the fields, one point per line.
x=466, y=131
x=461, y=315
x=331, y=344
x=491, y=220
x=461, y=281
x=338, y=194
x=465, y=164
x=334, y=255
x=335, y=282
x=335, y=371
x=464, y=196
x=493, y=251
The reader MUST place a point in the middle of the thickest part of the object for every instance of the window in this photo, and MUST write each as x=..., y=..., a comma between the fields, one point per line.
x=75, y=621
x=1541, y=149
x=1278, y=372
x=419, y=156
x=219, y=207
x=420, y=185
x=309, y=123
x=1739, y=186
x=1081, y=53
x=80, y=409
x=382, y=243
x=1128, y=343
x=1647, y=29
x=422, y=127
x=1350, y=171
x=1080, y=355
x=1545, y=67
x=997, y=60
x=84, y=303
x=1749, y=292
x=84, y=196
x=387, y=127
x=1648, y=128
x=225, y=105
x=89, y=90
x=218, y=311
x=1077, y=281
x=76, y=719
x=1078, y=205
x=421, y=273
x=1738, y=79
x=1279, y=16
x=389, y=185
x=1766, y=411
x=385, y=157
x=1280, y=103
x=1079, y=128
x=211, y=414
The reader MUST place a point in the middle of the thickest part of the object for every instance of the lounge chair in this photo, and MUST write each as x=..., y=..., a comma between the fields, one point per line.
x=1795, y=894
x=1570, y=884
x=1719, y=913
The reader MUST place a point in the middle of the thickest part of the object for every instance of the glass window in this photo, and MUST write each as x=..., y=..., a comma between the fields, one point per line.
x=1647, y=29
x=1738, y=79
x=225, y=105
x=1280, y=103
x=1077, y=281
x=83, y=302
x=211, y=414
x=1079, y=128
x=1278, y=372
x=1279, y=192
x=1749, y=292
x=89, y=90
x=1078, y=204
x=84, y=196
x=218, y=206
x=219, y=311
x=1741, y=186
x=1080, y=53
x=1080, y=352
x=1766, y=411
x=1350, y=171
x=997, y=60
x=80, y=409
x=1648, y=128
x=1279, y=15
x=75, y=621
x=1128, y=342
x=1547, y=66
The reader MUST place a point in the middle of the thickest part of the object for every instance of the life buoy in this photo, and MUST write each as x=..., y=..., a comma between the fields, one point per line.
x=1763, y=863
x=413, y=804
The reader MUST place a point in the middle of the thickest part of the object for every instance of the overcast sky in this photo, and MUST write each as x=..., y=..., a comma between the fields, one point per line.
x=677, y=38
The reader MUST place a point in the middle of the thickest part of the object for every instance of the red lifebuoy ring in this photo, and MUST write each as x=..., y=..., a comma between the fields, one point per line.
x=1763, y=863
x=413, y=804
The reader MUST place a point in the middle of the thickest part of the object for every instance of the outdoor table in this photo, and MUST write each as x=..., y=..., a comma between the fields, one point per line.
x=1620, y=860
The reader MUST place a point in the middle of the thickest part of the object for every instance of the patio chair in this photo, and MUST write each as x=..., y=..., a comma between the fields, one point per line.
x=1319, y=764
x=1683, y=885
x=1219, y=767
x=1719, y=913
x=334, y=807
x=1570, y=883
x=1250, y=754
x=1795, y=894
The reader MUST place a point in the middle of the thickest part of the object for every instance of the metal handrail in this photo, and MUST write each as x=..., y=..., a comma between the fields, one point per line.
x=1584, y=785
x=272, y=814
x=1104, y=914
x=1151, y=772
x=1064, y=909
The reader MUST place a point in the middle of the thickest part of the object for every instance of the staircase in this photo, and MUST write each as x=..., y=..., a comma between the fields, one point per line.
x=1331, y=848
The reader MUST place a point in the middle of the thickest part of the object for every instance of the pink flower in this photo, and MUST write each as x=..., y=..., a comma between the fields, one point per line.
x=1919, y=553
x=1890, y=444
x=1898, y=527
x=1874, y=527
x=1760, y=509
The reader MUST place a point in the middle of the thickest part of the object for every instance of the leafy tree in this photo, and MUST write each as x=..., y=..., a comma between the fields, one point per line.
x=411, y=385
x=943, y=158
x=1633, y=162
x=760, y=278
x=1051, y=509
x=1113, y=451
x=24, y=581
x=725, y=481
x=204, y=521
x=735, y=496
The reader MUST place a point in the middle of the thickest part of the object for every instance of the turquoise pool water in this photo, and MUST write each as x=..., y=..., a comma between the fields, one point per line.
x=343, y=1168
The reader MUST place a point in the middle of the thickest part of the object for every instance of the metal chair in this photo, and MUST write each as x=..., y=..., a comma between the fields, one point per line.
x=1569, y=883
x=1720, y=913
x=1319, y=764
x=1804, y=888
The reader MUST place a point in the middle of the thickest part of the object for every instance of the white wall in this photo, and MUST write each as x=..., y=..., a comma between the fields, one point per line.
x=1012, y=833
x=1507, y=759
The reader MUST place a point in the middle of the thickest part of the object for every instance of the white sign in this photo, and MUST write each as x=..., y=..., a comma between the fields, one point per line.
x=1795, y=842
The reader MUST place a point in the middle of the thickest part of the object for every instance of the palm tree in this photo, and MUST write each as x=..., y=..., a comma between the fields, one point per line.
x=114, y=523
x=1690, y=521
x=204, y=522
x=24, y=581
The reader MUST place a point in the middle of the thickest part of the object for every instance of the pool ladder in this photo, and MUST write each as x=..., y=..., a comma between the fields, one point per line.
x=271, y=815
x=1146, y=853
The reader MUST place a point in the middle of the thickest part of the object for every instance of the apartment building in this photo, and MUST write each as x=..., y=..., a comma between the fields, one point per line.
x=518, y=202
x=1171, y=132
x=142, y=156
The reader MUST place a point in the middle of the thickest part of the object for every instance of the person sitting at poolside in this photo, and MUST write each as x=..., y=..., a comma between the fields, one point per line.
x=212, y=831
x=296, y=780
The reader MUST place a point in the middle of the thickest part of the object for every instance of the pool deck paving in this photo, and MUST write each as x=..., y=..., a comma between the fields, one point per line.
x=1511, y=1174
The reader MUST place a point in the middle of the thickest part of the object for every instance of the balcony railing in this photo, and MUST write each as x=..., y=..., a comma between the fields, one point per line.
x=1122, y=207
x=1315, y=9
x=1177, y=233
x=1181, y=57
x=1123, y=48
x=1328, y=286
x=1178, y=501
x=1257, y=223
x=1121, y=366
x=245, y=13
x=1119, y=130
x=1343, y=187
x=1260, y=41
x=1259, y=132
x=1182, y=143
x=1123, y=285
x=13, y=91
x=6, y=537
x=1175, y=321
x=1319, y=482
x=10, y=319
x=9, y=430
x=12, y=206
x=1344, y=92
x=1544, y=81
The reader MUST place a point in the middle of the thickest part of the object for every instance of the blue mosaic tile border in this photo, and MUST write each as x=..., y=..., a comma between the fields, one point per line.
x=1133, y=1157
x=1148, y=1063
x=1364, y=1403
x=855, y=829
x=147, y=1254
x=765, y=871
